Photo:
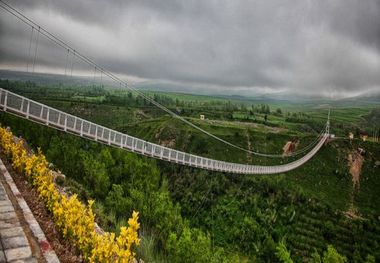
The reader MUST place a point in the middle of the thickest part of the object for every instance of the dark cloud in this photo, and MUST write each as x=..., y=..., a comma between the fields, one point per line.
x=310, y=47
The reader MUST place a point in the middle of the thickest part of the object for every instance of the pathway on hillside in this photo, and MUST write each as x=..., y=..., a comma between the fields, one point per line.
x=21, y=238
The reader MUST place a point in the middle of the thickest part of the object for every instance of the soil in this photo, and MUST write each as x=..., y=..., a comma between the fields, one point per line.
x=158, y=134
x=64, y=250
x=352, y=213
x=170, y=143
x=167, y=143
x=139, y=114
x=355, y=161
x=289, y=147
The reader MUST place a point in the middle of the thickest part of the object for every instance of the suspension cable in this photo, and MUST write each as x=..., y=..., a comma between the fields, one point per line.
x=66, y=62
x=72, y=63
x=115, y=78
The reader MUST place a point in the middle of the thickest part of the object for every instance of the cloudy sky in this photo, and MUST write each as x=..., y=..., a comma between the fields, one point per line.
x=328, y=48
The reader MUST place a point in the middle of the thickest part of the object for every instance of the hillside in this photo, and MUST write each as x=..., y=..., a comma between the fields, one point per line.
x=223, y=216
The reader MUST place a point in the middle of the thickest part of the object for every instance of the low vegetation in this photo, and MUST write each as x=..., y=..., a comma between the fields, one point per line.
x=187, y=214
x=75, y=220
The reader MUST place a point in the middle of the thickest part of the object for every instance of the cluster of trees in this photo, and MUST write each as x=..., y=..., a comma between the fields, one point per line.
x=218, y=109
x=121, y=182
x=331, y=255
x=297, y=117
x=189, y=214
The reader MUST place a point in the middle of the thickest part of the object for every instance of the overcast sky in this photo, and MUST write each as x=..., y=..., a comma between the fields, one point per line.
x=329, y=48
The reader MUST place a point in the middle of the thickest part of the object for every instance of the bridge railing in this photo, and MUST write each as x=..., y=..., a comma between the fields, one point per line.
x=43, y=114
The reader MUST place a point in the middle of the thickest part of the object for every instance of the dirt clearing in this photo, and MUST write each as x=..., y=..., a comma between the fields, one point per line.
x=355, y=162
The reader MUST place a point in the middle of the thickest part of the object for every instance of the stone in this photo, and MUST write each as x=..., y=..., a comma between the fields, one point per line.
x=51, y=257
x=23, y=205
x=59, y=178
x=5, y=203
x=11, y=232
x=18, y=253
x=37, y=231
x=4, y=225
x=26, y=260
x=7, y=215
x=5, y=209
x=2, y=257
x=15, y=242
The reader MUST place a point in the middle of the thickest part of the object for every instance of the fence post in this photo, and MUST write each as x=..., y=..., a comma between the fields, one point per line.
x=65, y=126
x=22, y=105
x=81, y=128
x=47, y=116
x=5, y=100
x=96, y=132
x=27, y=109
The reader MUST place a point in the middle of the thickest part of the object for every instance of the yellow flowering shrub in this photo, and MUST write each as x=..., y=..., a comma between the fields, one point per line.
x=75, y=220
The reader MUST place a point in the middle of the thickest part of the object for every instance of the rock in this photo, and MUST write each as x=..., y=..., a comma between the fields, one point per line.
x=18, y=253
x=58, y=177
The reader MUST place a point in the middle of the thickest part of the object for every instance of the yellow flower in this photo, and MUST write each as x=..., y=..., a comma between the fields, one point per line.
x=75, y=220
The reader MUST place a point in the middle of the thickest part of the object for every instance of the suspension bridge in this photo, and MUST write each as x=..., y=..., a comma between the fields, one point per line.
x=48, y=116
x=37, y=112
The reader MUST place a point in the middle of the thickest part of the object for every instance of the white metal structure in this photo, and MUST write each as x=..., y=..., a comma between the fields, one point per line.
x=45, y=115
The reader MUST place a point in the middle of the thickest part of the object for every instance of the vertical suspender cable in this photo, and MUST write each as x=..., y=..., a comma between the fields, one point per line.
x=30, y=47
x=67, y=61
x=94, y=76
x=72, y=63
x=35, y=50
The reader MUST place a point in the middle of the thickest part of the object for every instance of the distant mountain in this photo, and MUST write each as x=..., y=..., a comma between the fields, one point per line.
x=49, y=79
x=162, y=86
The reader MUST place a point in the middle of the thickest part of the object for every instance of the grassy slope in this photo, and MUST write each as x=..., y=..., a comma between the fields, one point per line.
x=326, y=176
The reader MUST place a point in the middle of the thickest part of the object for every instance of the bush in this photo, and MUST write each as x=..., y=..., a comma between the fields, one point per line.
x=332, y=256
x=75, y=220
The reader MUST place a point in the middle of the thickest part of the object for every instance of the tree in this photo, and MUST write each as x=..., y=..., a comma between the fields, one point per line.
x=332, y=256
x=267, y=109
x=282, y=253
x=192, y=245
x=95, y=175
x=370, y=259
x=116, y=200
x=106, y=157
x=315, y=257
